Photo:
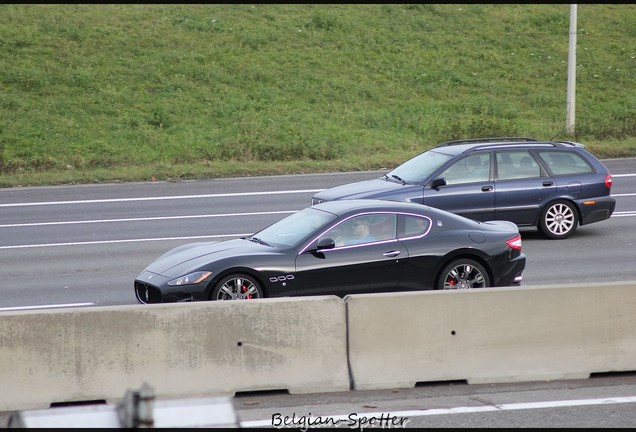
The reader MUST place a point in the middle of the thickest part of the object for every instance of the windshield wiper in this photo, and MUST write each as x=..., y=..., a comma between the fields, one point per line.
x=257, y=240
x=398, y=178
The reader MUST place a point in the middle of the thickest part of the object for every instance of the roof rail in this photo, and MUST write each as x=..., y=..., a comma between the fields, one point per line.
x=572, y=143
x=484, y=140
x=509, y=145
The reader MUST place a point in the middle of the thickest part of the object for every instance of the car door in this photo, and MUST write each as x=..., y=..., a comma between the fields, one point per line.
x=522, y=187
x=424, y=256
x=349, y=268
x=469, y=189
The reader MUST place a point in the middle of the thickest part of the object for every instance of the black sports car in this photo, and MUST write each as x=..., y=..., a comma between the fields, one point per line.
x=341, y=247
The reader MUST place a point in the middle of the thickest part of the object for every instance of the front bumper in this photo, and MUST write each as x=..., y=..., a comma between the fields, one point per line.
x=153, y=288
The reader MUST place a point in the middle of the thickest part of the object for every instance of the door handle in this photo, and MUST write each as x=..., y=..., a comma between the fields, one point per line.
x=547, y=183
x=486, y=188
x=392, y=253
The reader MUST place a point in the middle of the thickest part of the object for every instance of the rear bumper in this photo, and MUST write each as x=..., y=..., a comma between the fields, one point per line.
x=596, y=209
x=514, y=275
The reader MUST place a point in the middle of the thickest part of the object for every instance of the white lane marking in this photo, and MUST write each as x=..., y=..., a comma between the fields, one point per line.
x=122, y=241
x=45, y=306
x=143, y=219
x=455, y=410
x=160, y=198
x=615, y=214
x=175, y=197
x=159, y=218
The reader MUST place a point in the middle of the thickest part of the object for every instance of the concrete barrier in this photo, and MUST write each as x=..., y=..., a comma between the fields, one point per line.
x=492, y=335
x=208, y=348
x=317, y=344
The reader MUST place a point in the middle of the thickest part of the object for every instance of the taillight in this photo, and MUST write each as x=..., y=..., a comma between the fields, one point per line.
x=514, y=243
x=608, y=180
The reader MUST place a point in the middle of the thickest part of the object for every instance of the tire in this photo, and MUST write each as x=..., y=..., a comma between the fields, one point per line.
x=463, y=274
x=237, y=286
x=559, y=220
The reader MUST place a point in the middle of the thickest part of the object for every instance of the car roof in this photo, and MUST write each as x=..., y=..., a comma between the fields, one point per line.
x=355, y=205
x=456, y=147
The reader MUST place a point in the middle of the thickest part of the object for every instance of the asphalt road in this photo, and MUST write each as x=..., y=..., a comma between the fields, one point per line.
x=83, y=245
x=598, y=402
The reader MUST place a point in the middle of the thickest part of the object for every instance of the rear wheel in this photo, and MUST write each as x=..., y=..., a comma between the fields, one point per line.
x=237, y=287
x=558, y=220
x=463, y=274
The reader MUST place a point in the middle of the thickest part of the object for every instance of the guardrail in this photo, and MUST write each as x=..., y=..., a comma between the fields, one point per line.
x=317, y=344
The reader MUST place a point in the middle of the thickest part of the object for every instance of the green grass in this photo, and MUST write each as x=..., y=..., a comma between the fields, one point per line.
x=103, y=93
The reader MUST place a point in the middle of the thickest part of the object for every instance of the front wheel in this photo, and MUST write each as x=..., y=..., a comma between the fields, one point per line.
x=237, y=287
x=463, y=274
x=558, y=220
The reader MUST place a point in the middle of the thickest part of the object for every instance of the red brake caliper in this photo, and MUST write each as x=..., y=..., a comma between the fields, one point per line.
x=244, y=289
x=450, y=281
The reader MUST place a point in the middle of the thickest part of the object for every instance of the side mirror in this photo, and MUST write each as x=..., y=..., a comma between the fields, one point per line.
x=323, y=244
x=326, y=243
x=438, y=182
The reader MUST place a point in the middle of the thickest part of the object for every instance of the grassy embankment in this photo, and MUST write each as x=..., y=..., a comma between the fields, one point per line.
x=103, y=93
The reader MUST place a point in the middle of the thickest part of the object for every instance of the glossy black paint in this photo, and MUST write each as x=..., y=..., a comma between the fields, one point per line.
x=312, y=264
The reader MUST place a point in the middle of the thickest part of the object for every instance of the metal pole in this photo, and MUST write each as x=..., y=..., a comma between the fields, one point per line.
x=569, y=121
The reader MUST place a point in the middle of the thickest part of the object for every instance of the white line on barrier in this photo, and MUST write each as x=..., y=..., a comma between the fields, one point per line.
x=461, y=410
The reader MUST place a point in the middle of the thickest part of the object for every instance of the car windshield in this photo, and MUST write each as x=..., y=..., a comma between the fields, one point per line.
x=420, y=167
x=294, y=228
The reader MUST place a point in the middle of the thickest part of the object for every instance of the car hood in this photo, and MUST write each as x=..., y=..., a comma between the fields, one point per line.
x=374, y=189
x=190, y=257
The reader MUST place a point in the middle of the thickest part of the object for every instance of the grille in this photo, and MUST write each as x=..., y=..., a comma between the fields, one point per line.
x=147, y=293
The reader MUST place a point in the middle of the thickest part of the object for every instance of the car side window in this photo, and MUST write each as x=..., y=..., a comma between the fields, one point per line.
x=561, y=163
x=363, y=229
x=415, y=226
x=474, y=168
x=516, y=164
x=383, y=226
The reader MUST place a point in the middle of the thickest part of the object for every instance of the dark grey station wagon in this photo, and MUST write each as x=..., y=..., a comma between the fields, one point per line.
x=553, y=185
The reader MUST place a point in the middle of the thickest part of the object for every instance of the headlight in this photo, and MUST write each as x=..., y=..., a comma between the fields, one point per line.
x=190, y=279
